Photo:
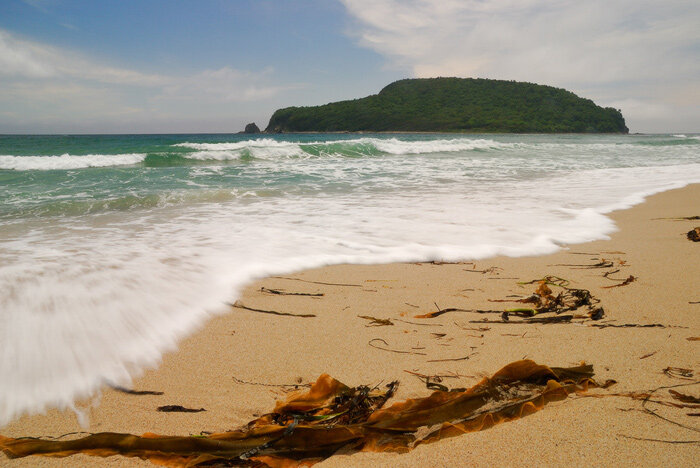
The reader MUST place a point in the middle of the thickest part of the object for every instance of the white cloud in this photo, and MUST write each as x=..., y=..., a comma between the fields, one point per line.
x=21, y=59
x=39, y=82
x=593, y=46
x=27, y=59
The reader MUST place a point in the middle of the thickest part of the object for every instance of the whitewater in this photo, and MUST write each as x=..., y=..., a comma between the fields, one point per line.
x=115, y=247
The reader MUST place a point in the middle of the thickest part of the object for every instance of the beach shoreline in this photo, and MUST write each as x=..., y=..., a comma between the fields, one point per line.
x=231, y=365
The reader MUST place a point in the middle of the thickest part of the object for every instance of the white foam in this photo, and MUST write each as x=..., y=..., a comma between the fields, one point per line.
x=68, y=161
x=396, y=146
x=268, y=148
x=260, y=143
x=214, y=155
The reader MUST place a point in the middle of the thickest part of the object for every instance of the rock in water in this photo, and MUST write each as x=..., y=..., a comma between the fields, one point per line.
x=251, y=128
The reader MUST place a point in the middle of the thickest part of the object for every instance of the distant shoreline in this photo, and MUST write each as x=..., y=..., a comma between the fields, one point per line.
x=671, y=132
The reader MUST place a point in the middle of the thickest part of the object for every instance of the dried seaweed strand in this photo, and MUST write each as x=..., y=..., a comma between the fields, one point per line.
x=661, y=440
x=678, y=373
x=634, y=325
x=625, y=282
x=683, y=397
x=436, y=377
x=178, y=409
x=452, y=359
x=481, y=329
x=239, y=305
x=59, y=436
x=589, y=266
x=129, y=391
x=392, y=350
x=420, y=324
x=376, y=322
x=653, y=413
x=537, y=320
x=455, y=309
x=611, y=272
x=686, y=218
x=282, y=292
x=317, y=282
x=246, y=382
x=488, y=270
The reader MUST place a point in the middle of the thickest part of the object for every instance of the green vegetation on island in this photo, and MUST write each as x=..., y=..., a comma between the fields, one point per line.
x=455, y=105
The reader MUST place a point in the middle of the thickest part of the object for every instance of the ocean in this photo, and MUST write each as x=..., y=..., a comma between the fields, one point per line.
x=114, y=247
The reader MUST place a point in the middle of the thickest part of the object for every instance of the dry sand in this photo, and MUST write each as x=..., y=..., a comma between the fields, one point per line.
x=259, y=348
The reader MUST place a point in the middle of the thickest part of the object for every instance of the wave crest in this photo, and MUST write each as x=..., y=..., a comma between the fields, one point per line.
x=68, y=161
x=267, y=148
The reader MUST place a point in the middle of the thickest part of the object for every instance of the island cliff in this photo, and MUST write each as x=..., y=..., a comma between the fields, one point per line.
x=455, y=105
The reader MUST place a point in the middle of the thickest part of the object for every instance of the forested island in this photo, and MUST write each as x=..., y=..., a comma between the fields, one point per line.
x=455, y=105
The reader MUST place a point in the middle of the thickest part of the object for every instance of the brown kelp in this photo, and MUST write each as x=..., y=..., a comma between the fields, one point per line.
x=312, y=425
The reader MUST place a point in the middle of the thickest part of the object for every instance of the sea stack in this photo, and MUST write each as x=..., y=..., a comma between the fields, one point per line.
x=251, y=128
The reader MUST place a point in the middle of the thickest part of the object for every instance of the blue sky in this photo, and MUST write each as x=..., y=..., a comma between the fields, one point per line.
x=119, y=66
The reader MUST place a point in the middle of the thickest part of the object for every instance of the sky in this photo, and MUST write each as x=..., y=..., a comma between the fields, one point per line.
x=186, y=66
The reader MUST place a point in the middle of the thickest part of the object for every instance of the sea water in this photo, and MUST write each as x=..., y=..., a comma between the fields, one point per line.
x=114, y=247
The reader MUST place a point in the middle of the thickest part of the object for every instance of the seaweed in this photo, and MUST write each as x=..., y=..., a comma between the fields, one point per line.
x=679, y=372
x=624, y=282
x=317, y=282
x=489, y=270
x=440, y=311
x=178, y=409
x=682, y=218
x=433, y=382
x=684, y=398
x=647, y=399
x=239, y=305
x=632, y=325
x=372, y=344
x=310, y=426
x=539, y=320
x=419, y=324
x=694, y=234
x=545, y=300
x=645, y=439
x=464, y=358
x=376, y=322
x=129, y=391
x=282, y=292
x=587, y=266
x=294, y=386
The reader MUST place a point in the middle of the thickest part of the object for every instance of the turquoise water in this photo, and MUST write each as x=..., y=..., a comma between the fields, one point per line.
x=114, y=247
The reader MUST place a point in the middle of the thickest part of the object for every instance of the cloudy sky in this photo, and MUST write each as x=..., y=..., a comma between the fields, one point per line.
x=122, y=66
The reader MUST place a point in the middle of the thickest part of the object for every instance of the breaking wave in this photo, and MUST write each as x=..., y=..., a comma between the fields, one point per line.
x=68, y=161
x=268, y=148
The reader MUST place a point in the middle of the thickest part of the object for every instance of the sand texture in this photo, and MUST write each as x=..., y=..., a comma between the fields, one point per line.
x=231, y=365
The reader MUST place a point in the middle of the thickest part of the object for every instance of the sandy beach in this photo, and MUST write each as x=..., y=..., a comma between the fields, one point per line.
x=232, y=366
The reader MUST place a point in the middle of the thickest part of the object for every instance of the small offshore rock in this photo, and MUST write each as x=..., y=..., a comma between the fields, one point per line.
x=251, y=128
